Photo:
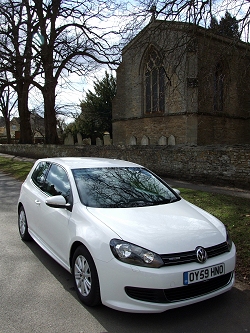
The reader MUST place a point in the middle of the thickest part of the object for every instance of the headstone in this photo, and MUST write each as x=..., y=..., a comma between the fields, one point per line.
x=132, y=141
x=171, y=140
x=99, y=142
x=162, y=141
x=69, y=140
x=106, y=139
x=145, y=141
x=79, y=138
x=86, y=142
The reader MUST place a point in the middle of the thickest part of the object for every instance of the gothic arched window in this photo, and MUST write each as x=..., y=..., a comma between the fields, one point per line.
x=219, y=77
x=154, y=90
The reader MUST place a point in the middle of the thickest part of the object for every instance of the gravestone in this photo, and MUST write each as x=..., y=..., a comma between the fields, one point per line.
x=145, y=141
x=99, y=142
x=171, y=140
x=106, y=139
x=132, y=141
x=69, y=140
x=79, y=139
x=162, y=141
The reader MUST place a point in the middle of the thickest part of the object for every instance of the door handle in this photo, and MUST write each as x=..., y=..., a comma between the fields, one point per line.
x=37, y=202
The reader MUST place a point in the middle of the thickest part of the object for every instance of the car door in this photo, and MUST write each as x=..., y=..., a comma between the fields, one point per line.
x=53, y=223
x=34, y=195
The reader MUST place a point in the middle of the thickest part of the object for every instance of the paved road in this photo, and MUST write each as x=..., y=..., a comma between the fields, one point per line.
x=36, y=294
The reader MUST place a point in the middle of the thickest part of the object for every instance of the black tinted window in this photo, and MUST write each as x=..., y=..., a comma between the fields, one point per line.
x=40, y=173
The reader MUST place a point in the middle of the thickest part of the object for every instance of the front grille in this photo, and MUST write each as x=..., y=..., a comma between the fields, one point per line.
x=147, y=295
x=187, y=257
x=180, y=293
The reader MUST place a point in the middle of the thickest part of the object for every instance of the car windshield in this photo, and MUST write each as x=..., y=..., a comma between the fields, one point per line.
x=121, y=187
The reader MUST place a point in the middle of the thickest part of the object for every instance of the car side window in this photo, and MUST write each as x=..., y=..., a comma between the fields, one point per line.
x=57, y=182
x=40, y=173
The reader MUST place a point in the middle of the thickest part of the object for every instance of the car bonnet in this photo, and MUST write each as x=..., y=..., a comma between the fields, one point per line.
x=168, y=228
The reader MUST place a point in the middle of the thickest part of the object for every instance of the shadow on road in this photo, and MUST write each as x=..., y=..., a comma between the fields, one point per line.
x=226, y=313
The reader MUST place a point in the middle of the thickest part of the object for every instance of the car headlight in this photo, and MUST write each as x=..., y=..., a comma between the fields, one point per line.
x=229, y=240
x=134, y=255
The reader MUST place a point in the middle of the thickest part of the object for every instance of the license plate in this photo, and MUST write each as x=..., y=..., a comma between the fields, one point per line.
x=203, y=274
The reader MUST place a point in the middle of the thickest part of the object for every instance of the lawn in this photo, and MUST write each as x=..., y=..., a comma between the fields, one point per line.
x=14, y=167
x=232, y=211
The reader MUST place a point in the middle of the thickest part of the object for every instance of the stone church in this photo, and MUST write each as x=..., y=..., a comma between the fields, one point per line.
x=180, y=84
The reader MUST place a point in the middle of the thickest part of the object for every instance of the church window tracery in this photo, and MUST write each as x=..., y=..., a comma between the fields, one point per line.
x=154, y=83
x=219, y=78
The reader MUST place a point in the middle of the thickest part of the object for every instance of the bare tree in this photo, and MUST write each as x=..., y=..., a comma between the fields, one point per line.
x=198, y=12
x=16, y=57
x=42, y=41
x=73, y=39
x=7, y=105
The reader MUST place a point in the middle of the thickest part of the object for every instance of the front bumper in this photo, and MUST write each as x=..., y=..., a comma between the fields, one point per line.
x=150, y=290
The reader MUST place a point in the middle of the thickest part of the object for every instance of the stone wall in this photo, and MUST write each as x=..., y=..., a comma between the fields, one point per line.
x=221, y=165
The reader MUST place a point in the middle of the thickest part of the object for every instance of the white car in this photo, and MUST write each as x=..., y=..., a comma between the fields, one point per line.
x=129, y=240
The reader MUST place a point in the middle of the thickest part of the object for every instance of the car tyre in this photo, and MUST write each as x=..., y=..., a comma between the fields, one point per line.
x=23, y=225
x=85, y=275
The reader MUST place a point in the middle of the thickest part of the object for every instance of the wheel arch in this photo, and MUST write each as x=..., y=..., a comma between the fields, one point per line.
x=73, y=248
x=19, y=206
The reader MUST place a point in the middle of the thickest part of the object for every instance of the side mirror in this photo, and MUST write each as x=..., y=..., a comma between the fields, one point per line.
x=58, y=201
x=177, y=191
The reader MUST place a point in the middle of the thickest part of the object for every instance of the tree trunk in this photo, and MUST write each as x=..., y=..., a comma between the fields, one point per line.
x=50, y=122
x=24, y=114
x=7, y=127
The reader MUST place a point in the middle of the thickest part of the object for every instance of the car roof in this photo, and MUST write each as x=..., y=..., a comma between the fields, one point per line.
x=89, y=162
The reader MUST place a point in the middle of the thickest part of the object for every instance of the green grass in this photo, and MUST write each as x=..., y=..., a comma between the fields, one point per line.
x=232, y=211
x=16, y=168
